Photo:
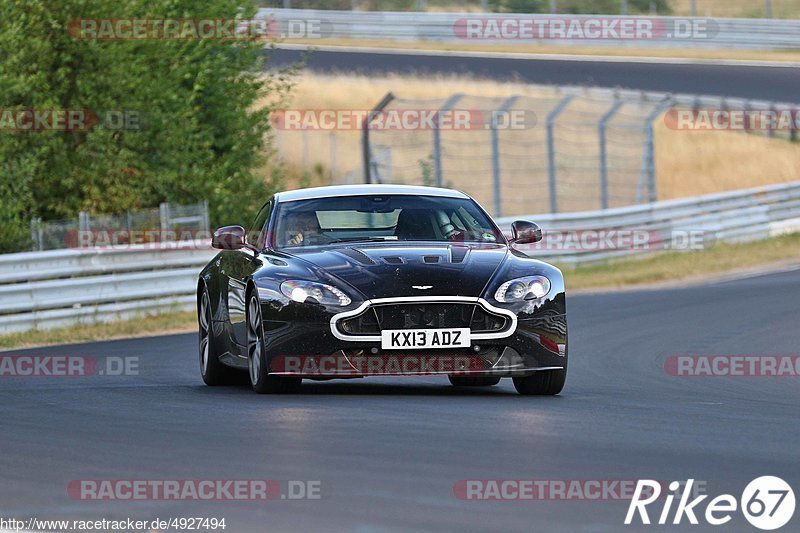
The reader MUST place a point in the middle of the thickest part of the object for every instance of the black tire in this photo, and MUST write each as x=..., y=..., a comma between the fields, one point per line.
x=260, y=379
x=213, y=372
x=545, y=383
x=462, y=381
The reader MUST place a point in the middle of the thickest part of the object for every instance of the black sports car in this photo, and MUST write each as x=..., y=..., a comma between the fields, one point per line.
x=355, y=281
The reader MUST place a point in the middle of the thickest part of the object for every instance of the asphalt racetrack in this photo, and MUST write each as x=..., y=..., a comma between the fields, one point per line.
x=730, y=80
x=388, y=452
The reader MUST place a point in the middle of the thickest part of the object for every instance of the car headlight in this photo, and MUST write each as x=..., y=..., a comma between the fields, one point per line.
x=520, y=289
x=311, y=292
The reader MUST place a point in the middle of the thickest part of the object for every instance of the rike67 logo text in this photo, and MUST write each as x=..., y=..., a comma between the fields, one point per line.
x=767, y=503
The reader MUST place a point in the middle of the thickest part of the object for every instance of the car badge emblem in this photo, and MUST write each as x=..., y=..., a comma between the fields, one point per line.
x=422, y=287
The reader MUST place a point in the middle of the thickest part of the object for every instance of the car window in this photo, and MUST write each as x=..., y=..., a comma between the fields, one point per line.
x=323, y=221
x=257, y=233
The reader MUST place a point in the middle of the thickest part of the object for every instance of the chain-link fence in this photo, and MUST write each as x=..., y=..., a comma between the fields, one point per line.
x=523, y=154
x=168, y=222
x=551, y=150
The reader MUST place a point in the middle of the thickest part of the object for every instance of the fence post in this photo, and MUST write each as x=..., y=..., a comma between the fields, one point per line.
x=365, y=148
x=604, y=152
x=437, y=137
x=304, y=134
x=83, y=221
x=163, y=214
x=498, y=202
x=37, y=234
x=551, y=150
x=206, y=222
x=333, y=156
x=648, y=170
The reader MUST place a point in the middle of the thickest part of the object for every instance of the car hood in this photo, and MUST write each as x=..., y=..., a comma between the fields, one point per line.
x=384, y=270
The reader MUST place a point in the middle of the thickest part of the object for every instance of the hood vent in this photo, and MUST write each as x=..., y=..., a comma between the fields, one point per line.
x=393, y=259
x=431, y=259
x=358, y=256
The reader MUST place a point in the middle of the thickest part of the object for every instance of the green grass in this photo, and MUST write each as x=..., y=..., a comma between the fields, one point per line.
x=667, y=267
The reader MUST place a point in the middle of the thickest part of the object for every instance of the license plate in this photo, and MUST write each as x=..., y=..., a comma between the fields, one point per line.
x=413, y=339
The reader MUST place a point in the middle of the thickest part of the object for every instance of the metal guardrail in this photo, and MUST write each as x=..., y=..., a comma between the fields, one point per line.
x=41, y=290
x=733, y=33
x=738, y=216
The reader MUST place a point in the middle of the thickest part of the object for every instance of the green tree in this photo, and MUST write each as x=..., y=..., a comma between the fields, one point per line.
x=201, y=132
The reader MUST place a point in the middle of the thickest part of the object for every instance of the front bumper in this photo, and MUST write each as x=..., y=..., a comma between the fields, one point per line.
x=310, y=345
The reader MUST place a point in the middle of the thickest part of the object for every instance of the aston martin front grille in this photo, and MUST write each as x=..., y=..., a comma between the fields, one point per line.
x=423, y=315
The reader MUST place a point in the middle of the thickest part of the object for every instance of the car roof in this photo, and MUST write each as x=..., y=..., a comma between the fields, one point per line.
x=366, y=189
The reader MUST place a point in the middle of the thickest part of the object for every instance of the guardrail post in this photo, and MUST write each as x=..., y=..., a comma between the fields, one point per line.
x=768, y=9
x=553, y=6
x=551, y=150
x=623, y=7
x=498, y=203
x=365, y=147
x=604, y=152
x=793, y=126
x=437, y=137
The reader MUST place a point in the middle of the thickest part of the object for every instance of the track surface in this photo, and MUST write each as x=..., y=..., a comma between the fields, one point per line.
x=388, y=451
x=756, y=82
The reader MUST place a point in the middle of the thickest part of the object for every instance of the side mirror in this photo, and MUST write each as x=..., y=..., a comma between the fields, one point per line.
x=525, y=232
x=229, y=238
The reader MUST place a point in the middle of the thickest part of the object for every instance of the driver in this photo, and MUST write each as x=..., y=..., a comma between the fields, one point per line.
x=303, y=227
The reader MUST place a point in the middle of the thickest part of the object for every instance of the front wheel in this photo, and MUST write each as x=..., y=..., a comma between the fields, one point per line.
x=260, y=379
x=544, y=383
x=212, y=370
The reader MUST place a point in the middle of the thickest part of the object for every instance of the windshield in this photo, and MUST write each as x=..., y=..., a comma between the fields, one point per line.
x=382, y=218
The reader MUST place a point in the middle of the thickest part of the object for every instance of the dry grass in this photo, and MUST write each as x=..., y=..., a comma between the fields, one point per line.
x=687, y=163
x=616, y=50
x=736, y=8
x=676, y=266
x=162, y=324
x=691, y=163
